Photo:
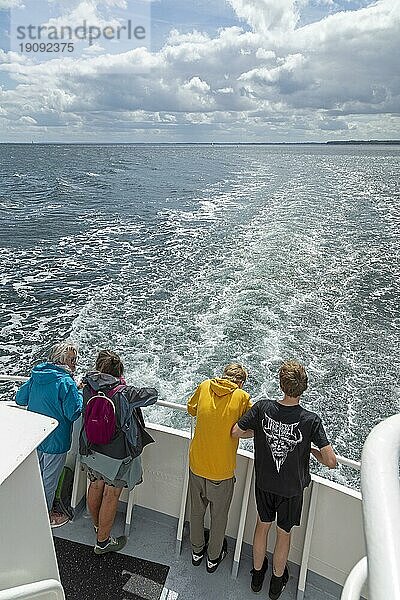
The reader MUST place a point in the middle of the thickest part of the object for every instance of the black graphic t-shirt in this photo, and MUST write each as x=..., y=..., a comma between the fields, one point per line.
x=282, y=445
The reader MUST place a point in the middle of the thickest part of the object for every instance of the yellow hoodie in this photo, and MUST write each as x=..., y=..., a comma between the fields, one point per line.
x=218, y=404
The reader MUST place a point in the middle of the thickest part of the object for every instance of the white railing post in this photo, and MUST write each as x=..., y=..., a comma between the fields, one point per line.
x=129, y=508
x=243, y=515
x=76, y=484
x=380, y=488
x=185, y=488
x=301, y=586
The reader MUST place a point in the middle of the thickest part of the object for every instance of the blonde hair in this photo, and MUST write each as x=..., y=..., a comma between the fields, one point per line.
x=235, y=373
x=293, y=378
x=59, y=352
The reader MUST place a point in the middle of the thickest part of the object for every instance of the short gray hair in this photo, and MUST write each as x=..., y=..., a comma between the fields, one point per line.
x=58, y=353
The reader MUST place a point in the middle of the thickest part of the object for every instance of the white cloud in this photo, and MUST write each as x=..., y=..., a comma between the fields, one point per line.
x=197, y=85
x=85, y=10
x=267, y=15
x=7, y=4
x=263, y=54
x=225, y=90
x=114, y=3
x=27, y=120
x=335, y=76
x=13, y=59
x=288, y=69
x=94, y=49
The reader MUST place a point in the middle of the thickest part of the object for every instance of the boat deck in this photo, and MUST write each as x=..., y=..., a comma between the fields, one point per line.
x=152, y=538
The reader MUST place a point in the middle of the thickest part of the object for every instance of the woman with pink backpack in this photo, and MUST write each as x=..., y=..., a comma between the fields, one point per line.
x=112, y=438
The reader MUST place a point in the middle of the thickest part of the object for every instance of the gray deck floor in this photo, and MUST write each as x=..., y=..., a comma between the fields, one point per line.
x=152, y=538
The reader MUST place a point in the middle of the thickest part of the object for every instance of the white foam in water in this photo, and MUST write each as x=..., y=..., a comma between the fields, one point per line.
x=284, y=254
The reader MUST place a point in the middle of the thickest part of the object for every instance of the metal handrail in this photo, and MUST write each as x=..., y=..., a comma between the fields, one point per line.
x=11, y=378
x=342, y=460
x=380, y=487
x=20, y=379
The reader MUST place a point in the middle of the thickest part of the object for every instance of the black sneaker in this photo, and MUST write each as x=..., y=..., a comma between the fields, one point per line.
x=197, y=557
x=278, y=584
x=257, y=577
x=212, y=565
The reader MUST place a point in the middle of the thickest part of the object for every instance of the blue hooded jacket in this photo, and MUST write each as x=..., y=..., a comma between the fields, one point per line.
x=52, y=391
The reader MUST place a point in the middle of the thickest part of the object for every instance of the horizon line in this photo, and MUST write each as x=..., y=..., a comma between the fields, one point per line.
x=313, y=143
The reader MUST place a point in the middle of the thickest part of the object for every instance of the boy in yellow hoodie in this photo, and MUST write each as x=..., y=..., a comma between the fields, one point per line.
x=218, y=404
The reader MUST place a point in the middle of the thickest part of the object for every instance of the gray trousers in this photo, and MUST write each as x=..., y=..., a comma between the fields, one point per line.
x=51, y=466
x=217, y=494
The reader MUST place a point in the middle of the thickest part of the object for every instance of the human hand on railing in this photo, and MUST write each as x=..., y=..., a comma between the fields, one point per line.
x=325, y=456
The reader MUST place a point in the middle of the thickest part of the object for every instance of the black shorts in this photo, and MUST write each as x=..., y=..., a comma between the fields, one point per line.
x=287, y=511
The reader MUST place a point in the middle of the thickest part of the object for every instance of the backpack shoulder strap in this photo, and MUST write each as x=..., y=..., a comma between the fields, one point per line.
x=118, y=388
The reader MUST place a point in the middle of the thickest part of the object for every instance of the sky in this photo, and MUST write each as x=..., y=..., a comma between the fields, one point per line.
x=202, y=71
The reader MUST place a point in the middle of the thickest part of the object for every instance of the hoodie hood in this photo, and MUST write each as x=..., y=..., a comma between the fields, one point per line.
x=48, y=372
x=101, y=381
x=222, y=387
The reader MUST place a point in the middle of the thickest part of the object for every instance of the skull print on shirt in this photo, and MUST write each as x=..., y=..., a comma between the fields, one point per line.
x=281, y=438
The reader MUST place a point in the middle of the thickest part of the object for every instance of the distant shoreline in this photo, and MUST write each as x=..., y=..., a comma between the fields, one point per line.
x=329, y=143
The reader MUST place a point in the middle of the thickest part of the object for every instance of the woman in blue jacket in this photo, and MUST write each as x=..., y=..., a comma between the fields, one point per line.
x=52, y=391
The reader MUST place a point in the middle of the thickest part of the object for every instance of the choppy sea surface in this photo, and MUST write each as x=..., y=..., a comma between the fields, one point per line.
x=183, y=258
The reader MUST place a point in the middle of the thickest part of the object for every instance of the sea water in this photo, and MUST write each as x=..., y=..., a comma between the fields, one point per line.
x=183, y=258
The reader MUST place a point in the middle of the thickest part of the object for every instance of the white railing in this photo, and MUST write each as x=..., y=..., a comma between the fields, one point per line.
x=342, y=460
x=245, y=500
x=355, y=581
x=380, y=486
x=20, y=379
x=15, y=378
x=48, y=589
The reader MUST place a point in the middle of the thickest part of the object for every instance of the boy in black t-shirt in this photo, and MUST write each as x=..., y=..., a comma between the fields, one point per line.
x=283, y=432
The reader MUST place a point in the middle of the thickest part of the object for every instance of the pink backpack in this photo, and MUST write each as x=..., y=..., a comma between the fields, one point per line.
x=99, y=417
